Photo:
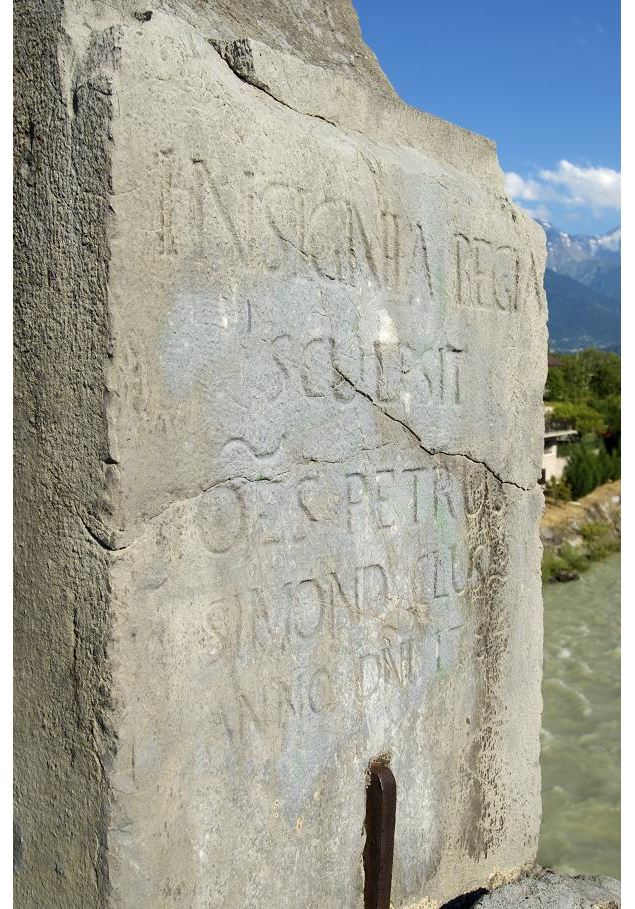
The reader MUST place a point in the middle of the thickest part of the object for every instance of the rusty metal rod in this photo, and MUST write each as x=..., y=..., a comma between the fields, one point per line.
x=381, y=803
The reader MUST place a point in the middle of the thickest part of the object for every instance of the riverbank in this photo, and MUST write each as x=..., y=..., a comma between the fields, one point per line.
x=577, y=534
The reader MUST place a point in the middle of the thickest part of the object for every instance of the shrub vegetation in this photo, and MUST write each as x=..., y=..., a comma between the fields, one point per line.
x=599, y=540
x=584, y=390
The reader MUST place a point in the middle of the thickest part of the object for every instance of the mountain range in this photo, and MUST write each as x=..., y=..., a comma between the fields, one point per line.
x=582, y=283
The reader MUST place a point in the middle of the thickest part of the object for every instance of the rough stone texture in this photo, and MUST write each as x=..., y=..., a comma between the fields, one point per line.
x=62, y=686
x=550, y=890
x=281, y=345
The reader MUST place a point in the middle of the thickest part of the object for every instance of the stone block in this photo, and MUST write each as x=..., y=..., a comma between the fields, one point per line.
x=282, y=350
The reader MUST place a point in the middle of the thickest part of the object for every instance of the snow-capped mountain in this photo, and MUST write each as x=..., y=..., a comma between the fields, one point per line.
x=595, y=261
x=612, y=240
x=583, y=284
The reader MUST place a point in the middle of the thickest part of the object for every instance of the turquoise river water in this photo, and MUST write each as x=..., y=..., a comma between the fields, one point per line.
x=581, y=724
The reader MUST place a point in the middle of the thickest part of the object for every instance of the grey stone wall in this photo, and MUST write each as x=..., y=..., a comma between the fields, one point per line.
x=281, y=350
x=62, y=736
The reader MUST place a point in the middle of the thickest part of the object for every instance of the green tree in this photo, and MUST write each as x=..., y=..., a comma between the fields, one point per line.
x=556, y=386
x=604, y=465
x=580, y=475
x=604, y=372
x=581, y=416
x=611, y=410
x=558, y=490
x=589, y=374
x=576, y=377
x=589, y=465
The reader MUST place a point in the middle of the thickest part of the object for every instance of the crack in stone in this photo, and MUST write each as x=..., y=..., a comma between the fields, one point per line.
x=430, y=451
x=274, y=479
x=104, y=542
x=238, y=57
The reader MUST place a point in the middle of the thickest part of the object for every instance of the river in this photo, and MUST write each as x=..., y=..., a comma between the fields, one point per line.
x=581, y=724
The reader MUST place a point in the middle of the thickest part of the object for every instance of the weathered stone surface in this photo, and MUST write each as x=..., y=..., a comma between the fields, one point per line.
x=550, y=890
x=287, y=469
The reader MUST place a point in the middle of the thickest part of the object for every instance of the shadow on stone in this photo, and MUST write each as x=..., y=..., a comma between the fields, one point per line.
x=466, y=899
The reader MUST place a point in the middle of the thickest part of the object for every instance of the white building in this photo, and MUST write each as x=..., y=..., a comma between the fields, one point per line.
x=553, y=465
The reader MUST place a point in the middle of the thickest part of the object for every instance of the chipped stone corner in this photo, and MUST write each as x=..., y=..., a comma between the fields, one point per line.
x=239, y=56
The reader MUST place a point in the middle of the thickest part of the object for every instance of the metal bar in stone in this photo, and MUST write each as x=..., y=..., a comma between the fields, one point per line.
x=381, y=803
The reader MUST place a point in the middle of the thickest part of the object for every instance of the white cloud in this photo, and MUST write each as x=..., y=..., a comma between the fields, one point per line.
x=519, y=188
x=538, y=211
x=598, y=188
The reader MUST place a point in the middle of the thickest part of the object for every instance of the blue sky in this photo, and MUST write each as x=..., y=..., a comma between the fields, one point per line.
x=541, y=78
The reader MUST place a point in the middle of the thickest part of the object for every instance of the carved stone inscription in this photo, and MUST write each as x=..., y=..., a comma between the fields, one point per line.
x=324, y=393
x=372, y=580
x=494, y=276
x=281, y=228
